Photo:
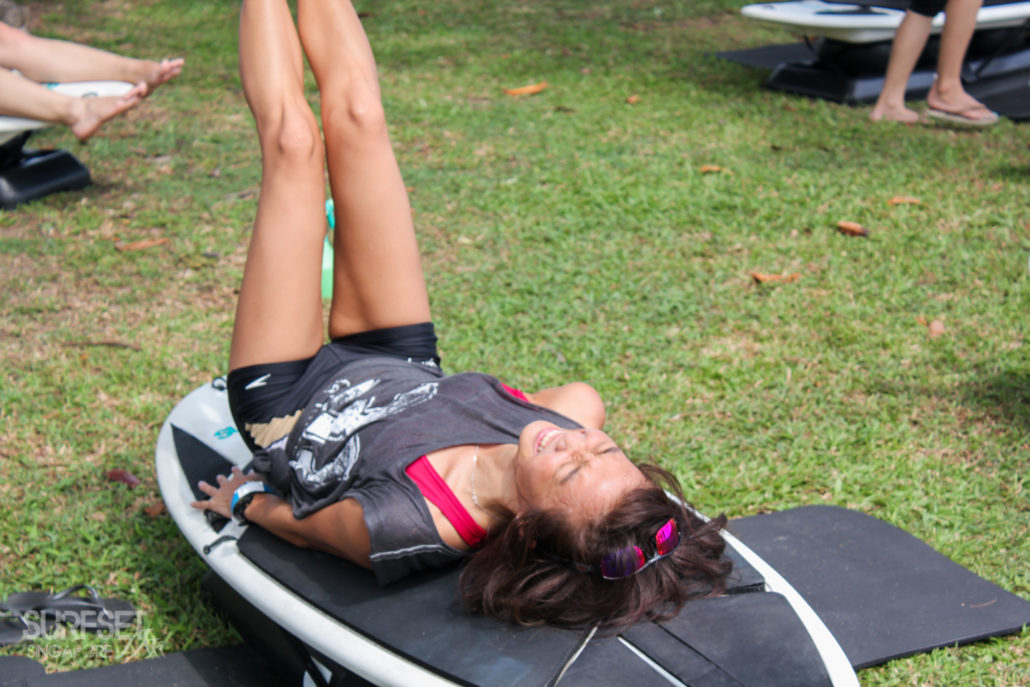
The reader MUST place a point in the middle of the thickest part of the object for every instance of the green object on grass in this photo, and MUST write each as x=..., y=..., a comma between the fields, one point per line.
x=327, y=253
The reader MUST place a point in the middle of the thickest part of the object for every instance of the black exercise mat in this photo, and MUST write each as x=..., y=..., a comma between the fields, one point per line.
x=882, y=593
x=14, y=670
x=769, y=56
x=1007, y=95
x=236, y=666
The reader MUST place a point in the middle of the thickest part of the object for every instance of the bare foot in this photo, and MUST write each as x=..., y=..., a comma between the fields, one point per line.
x=893, y=113
x=88, y=114
x=157, y=73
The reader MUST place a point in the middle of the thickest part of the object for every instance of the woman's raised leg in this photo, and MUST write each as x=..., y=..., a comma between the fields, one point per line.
x=279, y=312
x=378, y=278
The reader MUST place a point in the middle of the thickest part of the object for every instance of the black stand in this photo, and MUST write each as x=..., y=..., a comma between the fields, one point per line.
x=853, y=74
x=996, y=70
x=30, y=174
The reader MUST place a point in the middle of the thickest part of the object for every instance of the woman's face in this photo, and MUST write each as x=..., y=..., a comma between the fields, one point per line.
x=581, y=472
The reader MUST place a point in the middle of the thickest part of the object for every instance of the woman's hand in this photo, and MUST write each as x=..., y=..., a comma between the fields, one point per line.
x=220, y=500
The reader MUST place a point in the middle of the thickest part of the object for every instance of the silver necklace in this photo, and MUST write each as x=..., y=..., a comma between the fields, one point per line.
x=472, y=483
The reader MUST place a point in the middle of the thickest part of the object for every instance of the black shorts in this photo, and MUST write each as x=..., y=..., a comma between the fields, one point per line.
x=268, y=393
x=927, y=8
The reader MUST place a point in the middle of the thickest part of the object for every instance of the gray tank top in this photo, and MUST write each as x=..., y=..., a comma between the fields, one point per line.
x=375, y=417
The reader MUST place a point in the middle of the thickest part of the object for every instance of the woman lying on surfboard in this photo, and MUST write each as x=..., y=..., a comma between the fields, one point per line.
x=363, y=447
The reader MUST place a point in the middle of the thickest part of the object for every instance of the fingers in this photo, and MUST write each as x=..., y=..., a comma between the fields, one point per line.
x=226, y=484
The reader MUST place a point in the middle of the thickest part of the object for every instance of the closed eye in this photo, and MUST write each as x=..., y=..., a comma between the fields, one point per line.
x=570, y=474
x=613, y=449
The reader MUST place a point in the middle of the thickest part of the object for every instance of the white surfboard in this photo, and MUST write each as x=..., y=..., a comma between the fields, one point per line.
x=453, y=647
x=863, y=24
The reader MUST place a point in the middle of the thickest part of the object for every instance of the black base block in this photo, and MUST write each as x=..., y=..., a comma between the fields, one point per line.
x=34, y=174
x=996, y=70
x=842, y=77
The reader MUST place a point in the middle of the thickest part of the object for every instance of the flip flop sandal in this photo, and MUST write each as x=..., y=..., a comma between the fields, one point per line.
x=13, y=629
x=962, y=117
x=91, y=614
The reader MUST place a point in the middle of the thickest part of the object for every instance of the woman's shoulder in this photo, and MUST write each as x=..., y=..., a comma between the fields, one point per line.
x=577, y=400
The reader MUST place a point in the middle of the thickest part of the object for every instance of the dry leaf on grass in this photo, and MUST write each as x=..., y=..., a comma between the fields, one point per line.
x=775, y=278
x=633, y=99
x=109, y=344
x=935, y=329
x=851, y=228
x=123, y=476
x=531, y=89
x=155, y=509
x=712, y=169
x=140, y=245
x=904, y=200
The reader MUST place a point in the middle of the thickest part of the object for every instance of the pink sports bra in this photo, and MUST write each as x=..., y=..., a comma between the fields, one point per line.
x=432, y=486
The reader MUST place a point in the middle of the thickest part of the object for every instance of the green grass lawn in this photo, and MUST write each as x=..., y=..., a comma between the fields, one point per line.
x=567, y=235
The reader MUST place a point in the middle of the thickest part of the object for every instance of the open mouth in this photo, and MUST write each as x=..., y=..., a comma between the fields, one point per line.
x=545, y=437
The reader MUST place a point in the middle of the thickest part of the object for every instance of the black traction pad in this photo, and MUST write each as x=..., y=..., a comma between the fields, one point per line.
x=198, y=461
x=419, y=617
x=882, y=593
x=739, y=639
x=742, y=639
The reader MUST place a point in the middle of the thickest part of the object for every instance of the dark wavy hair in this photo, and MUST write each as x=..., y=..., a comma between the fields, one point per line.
x=524, y=573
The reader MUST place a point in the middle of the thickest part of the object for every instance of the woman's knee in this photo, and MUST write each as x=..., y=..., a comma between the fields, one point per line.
x=355, y=114
x=291, y=134
x=12, y=41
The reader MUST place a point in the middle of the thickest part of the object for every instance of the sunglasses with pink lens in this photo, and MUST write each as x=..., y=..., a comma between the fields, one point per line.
x=632, y=559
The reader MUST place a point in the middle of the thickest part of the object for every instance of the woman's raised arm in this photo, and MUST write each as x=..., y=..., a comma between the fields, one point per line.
x=577, y=400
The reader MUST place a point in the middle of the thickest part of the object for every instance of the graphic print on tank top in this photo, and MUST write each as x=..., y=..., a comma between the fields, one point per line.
x=346, y=410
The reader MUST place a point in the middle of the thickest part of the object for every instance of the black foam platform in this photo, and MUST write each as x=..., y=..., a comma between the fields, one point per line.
x=996, y=71
x=882, y=593
x=237, y=666
x=15, y=670
x=30, y=174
